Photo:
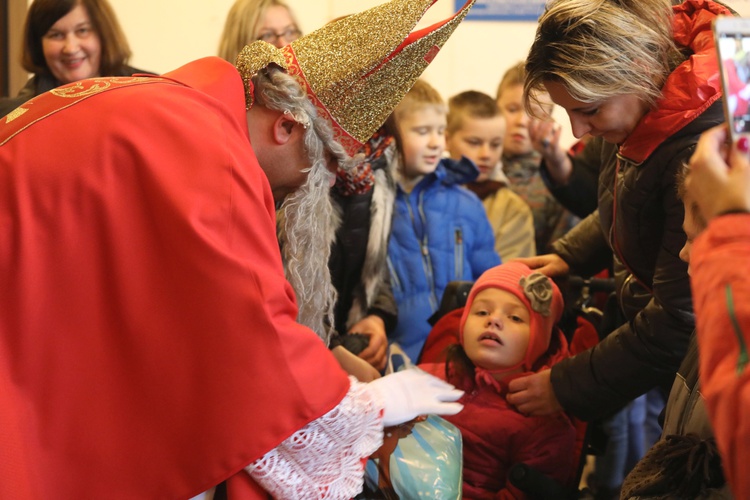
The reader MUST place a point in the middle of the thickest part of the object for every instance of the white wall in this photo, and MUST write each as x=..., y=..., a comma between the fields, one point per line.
x=177, y=31
x=475, y=57
x=165, y=34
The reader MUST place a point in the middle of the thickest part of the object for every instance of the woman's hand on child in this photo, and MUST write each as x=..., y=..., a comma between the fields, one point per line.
x=413, y=392
x=719, y=179
x=375, y=352
x=533, y=395
x=551, y=265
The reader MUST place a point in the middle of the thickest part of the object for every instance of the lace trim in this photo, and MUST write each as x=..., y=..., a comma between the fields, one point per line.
x=325, y=459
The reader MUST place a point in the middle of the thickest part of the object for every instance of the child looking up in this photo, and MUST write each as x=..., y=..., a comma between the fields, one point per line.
x=440, y=231
x=507, y=329
x=476, y=130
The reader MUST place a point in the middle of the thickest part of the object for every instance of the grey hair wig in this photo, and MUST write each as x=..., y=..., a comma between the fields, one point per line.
x=306, y=219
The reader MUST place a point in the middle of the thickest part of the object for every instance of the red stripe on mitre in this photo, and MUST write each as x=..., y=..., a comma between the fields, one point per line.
x=430, y=55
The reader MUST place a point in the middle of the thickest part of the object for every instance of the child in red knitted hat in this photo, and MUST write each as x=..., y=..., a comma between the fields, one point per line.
x=507, y=329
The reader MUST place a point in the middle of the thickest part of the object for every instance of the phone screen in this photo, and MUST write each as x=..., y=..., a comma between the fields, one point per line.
x=733, y=44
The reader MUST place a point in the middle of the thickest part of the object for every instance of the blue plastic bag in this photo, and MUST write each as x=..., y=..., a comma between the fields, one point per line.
x=419, y=459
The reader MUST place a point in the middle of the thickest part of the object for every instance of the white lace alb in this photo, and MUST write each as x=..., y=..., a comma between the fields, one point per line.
x=324, y=459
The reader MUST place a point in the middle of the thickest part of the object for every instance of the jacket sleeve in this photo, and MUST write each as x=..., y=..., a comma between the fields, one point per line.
x=580, y=193
x=513, y=226
x=384, y=305
x=722, y=307
x=382, y=207
x=585, y=248
x=644, y=352
x=483, y=255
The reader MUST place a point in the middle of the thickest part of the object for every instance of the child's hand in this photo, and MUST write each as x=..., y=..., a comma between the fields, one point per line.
x=719, y=179
x=544, y=134
x=545, y=138
x=354, y=365
x=375, y=352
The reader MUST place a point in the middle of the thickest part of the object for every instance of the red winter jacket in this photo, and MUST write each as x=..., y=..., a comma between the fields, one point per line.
x=718, y=264
x=496, y=437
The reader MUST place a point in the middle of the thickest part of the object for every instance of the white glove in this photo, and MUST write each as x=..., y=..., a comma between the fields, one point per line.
x=413, y=392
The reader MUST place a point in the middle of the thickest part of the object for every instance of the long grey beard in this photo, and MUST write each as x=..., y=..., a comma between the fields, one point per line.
x=307, y=228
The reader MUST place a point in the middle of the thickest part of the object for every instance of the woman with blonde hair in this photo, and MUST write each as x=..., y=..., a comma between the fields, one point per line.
x=640, y=75
x=249, y=20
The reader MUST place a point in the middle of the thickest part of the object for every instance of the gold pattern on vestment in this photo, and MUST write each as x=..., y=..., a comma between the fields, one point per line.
x=61, y=98
x=92, y=86
x=15, y=114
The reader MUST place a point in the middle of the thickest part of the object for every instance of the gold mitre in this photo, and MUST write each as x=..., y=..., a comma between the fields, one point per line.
x=357, y=69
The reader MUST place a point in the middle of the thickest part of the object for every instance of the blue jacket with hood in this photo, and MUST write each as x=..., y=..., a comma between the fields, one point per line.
x=440, y=234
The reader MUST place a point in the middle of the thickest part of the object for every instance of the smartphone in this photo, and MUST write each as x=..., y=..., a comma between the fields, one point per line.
x=732, y=35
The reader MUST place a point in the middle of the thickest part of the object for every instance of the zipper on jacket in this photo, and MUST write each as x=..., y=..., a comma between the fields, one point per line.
x=693, y=394
x=613, y=237
x=690, y=404
x=426, y=259
x=395, y=282
x=621, y=293
x=458, y=252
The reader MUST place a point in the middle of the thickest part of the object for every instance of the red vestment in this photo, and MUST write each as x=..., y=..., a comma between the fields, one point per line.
x=148, y=344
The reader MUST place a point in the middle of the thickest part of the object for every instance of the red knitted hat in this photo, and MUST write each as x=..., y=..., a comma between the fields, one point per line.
x=537, y=292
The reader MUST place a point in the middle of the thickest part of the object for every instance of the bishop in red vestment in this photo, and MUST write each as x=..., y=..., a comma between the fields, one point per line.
x=148, y=343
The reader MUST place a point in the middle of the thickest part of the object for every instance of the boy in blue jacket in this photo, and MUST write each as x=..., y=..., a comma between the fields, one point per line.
x=440, y=231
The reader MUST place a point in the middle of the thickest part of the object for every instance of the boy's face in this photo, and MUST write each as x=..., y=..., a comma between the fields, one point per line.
x=480, y=140
x=497, y=330
x=422, y=132
x=517, y=121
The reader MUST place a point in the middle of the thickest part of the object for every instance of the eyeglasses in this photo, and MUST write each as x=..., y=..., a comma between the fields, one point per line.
x=289, y=35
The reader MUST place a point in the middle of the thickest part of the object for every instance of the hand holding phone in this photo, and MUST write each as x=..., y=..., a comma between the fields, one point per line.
x=732, y=35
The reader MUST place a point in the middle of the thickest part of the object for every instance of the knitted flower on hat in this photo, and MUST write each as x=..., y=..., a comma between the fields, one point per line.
x=538, y=289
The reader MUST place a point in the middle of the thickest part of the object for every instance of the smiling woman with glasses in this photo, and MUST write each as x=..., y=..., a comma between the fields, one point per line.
x=248, y=20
